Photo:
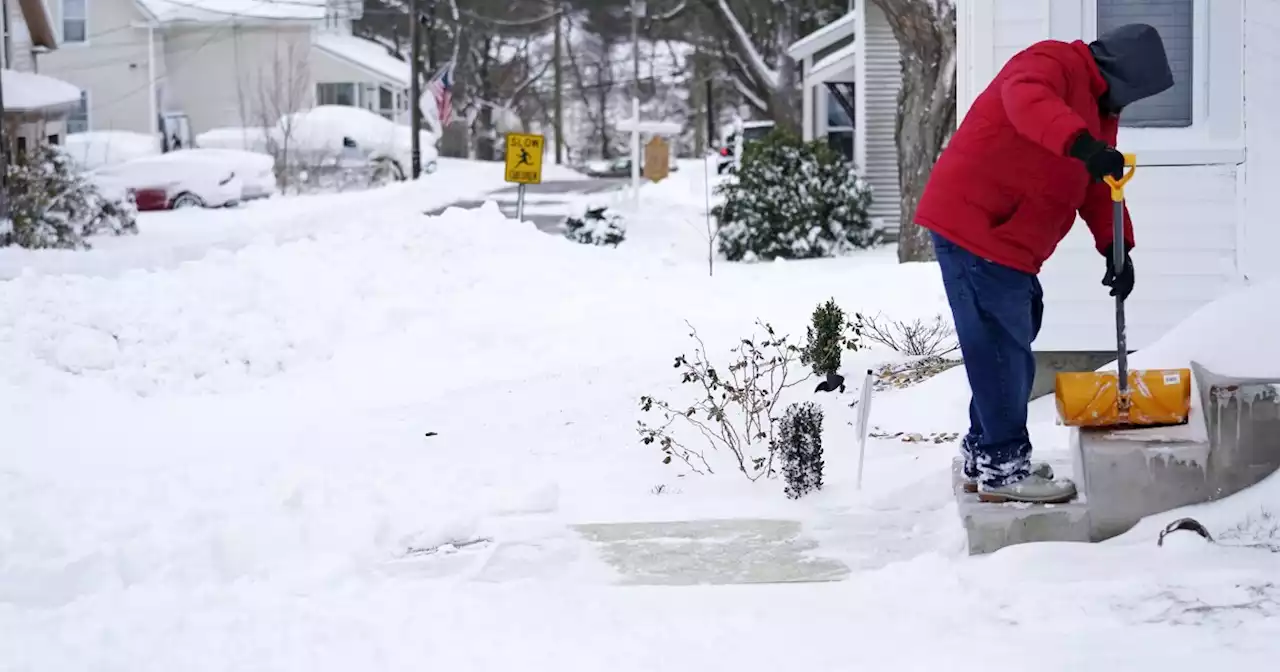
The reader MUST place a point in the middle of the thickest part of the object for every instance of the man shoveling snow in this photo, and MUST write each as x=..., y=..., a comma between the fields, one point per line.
x=1029, y=156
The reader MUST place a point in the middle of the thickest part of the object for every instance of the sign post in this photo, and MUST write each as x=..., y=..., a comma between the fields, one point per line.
x=524, y=164
x=864, y=420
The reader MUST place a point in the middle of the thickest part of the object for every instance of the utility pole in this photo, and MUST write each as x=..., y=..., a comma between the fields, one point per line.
x=415, y=87
x=8, y=39
x=637, y=6
x=700, y=140
x=431, y=37
x=4, y=135
x=557, y=97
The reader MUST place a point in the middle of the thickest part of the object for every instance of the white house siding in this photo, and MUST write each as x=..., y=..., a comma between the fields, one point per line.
x=1262, y=133
x=1185, y=220
x=111, y=67
x=22, y=56
x=878, y=86
x=1186, y=210
x=239, y=75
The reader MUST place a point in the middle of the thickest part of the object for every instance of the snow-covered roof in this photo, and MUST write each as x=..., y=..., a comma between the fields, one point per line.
x=367, y=55
x=833, y=64
x=29, y=92
x=209, y=11
x=824, y=37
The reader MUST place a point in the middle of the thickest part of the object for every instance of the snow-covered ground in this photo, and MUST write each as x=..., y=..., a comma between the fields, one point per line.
x=224, y=434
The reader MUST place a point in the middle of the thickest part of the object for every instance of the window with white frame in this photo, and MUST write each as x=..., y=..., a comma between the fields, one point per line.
x=1175, y=20
x=78, y=120
x=75, y=21
x=336, y=93
x=378, y=99
x=386, y=102
x=838, y=124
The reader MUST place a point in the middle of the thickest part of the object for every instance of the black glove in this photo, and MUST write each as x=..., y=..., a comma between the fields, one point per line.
x=1099, y=159
x=1121, y=284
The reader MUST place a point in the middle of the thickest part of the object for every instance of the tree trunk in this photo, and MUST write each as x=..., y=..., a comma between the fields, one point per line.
x=926, y=105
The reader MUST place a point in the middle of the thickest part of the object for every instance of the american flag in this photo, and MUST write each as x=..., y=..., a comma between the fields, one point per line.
x=440, y=89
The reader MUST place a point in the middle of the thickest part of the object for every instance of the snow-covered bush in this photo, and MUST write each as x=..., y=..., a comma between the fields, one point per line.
x=596, y=226
x=793, y=200
x=52, y=204
x=827, y=338
x=799, y=446
x=736, y=407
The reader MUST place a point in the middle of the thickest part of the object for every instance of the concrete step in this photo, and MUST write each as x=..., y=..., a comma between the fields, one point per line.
x=991, y=527
x=1231, y=443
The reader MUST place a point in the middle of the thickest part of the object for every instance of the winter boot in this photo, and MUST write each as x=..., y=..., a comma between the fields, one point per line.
x=1034, y=489
x=1041, y=469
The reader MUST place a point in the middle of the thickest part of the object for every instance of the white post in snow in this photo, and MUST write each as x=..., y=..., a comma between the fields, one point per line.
x=635, y=153
x=864, y=421
x=737, y=147
x=151, y=77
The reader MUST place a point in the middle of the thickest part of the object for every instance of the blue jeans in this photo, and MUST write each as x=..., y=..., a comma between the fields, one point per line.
x=997, y=312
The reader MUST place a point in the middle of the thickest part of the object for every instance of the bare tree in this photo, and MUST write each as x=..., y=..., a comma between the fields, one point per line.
x=270, y=98
x=926, y=33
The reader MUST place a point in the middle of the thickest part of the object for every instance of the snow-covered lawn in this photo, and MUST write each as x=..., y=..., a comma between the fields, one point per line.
x=223, y=435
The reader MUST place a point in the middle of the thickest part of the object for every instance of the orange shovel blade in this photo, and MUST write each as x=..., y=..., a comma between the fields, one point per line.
x=1092, y=399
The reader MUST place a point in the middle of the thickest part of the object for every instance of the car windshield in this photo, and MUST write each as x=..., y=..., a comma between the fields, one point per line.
x=755, y=133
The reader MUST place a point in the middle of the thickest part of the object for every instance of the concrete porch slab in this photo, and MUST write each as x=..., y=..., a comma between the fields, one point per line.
x=710, y=552
x=991, y=527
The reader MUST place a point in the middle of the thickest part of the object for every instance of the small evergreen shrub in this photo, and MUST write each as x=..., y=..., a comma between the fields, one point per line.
x=793, y=200
x=799, y=447
x=826, y=339
x=53, y=205
x=597, y=226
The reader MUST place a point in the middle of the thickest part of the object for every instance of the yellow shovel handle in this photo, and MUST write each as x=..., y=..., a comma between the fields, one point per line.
x=1117, y=186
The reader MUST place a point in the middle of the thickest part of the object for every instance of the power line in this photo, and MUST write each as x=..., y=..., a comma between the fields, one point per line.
x=169, y=70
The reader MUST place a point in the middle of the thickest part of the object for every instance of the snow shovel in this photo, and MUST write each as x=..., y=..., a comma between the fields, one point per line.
x=1123, y=398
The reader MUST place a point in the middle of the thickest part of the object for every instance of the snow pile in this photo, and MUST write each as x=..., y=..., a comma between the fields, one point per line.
x=264, y=309
x=1246, y=319
x=27, y=91
x=94, y=149
x=466, y=387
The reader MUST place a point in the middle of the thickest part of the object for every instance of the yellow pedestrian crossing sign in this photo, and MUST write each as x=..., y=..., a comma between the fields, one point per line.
x=524, y=158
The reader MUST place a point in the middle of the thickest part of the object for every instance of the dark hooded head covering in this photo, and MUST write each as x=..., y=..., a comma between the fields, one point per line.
x=1133, y=62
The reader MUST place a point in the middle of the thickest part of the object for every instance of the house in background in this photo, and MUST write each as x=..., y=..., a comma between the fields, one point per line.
x=851, y=75
x=1204, y=197
x=185, y=66
x=36, y=107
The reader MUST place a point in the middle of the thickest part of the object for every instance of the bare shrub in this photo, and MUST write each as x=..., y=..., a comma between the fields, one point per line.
x=916, y=338
x=736, y=411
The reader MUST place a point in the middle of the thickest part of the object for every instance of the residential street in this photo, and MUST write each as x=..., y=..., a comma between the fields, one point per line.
x=540, y=198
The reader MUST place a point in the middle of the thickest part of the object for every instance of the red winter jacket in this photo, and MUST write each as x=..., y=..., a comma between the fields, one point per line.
x=1004, y=188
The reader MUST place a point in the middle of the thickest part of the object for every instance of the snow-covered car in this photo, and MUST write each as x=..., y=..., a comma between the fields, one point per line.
x=256, y=170
x=187, y=181
x=333, y=135
x=751, y=132
x=94, y=149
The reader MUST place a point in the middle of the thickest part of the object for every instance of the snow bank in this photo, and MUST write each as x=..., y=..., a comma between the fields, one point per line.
x=94, y=149
x=24, y=91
